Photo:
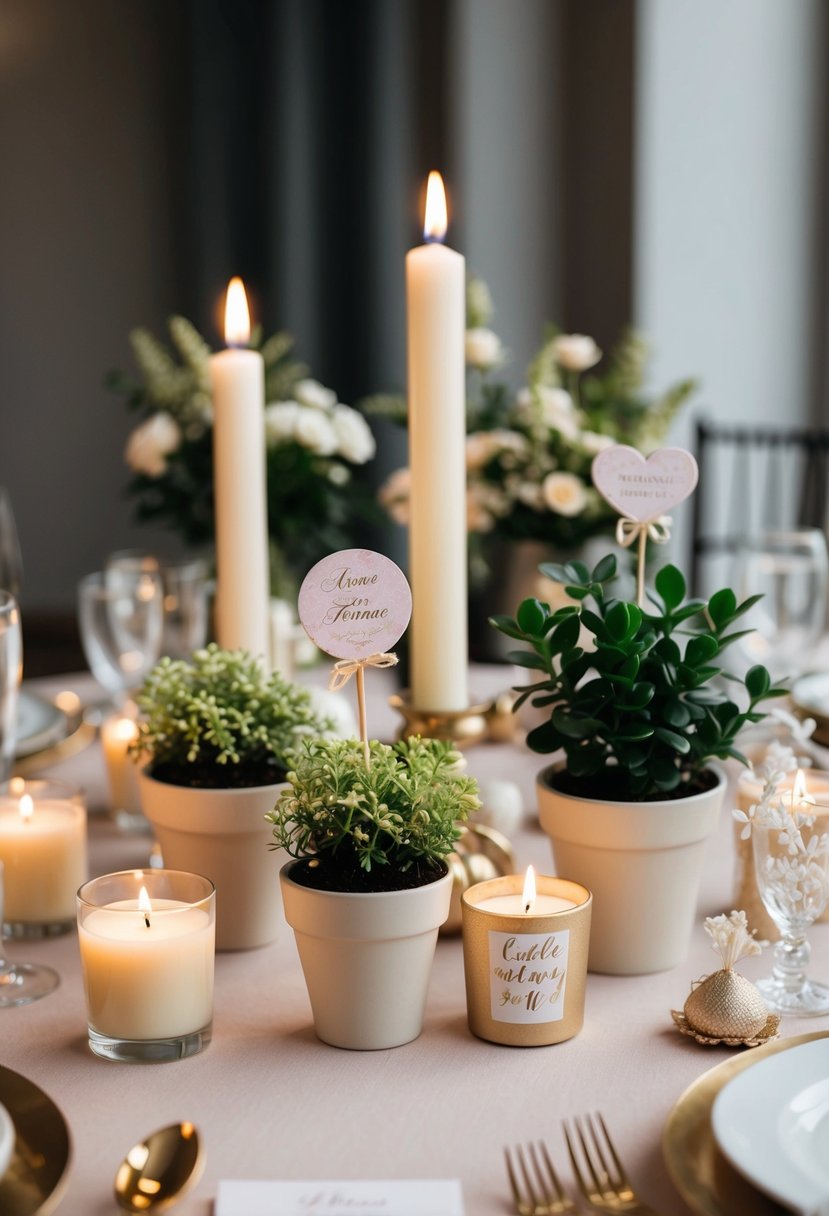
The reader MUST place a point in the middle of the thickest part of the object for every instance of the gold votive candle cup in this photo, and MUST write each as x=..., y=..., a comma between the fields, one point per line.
x=526, y=972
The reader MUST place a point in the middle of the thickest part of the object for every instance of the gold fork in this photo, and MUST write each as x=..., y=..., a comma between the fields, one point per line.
x=601, y=1177
x=539, y=1193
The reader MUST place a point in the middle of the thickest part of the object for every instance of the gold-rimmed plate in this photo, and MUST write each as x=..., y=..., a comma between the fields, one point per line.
x=36, y=1179
x=702, y=1175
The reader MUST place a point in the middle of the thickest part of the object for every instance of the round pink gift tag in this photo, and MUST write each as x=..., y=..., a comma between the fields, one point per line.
x=355, y=603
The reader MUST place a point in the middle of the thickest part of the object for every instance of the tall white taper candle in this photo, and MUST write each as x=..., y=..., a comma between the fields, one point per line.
x=238, y=378
x=435, y=299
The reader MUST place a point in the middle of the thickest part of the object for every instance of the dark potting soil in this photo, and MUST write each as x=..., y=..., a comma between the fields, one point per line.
x=322, y=874
x=218, y=776
x=609, y=787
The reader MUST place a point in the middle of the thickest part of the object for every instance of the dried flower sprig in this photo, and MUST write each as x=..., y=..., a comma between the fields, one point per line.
x=731, y=938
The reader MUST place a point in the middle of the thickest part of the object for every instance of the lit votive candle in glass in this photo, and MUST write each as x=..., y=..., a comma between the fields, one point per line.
x=43, y=850
x=147, y=941
x=525, y=944
x=117, y=733
x=748, y=793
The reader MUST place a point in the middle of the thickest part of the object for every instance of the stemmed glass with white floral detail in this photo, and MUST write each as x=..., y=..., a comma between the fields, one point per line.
x=791, y=857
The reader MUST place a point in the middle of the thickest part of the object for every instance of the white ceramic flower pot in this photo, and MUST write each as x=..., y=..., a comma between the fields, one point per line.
x=366, y=958
x=643, y=863
x=223, y=835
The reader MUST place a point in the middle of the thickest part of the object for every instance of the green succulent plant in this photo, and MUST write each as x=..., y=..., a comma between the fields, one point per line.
x=637, y=699
x=219, y=719
x=370, y=827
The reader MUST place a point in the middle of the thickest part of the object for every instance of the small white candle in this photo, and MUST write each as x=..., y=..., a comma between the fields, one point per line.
x=43, y=850
x=436, y=316
x=528, y=903
x=238, y=378
x=147, y=980
x=122, y=773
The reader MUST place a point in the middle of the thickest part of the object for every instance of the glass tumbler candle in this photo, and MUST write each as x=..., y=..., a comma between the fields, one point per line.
x=147, y=941
x=43, y=850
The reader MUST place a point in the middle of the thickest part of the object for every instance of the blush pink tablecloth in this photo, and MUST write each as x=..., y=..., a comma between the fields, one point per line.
x=271, y=1101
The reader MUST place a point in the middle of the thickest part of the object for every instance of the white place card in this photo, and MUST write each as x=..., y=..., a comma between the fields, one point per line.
x=417, y=1197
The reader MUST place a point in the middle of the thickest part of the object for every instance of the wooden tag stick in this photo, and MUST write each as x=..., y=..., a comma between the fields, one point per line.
x=342, y=672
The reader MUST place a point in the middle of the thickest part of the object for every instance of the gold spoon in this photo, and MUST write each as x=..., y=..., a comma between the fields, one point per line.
x=157, y=1171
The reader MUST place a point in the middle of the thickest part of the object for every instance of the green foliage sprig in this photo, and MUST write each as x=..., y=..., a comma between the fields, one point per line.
x=401, y=808
x=220, y=708
x=632, y=694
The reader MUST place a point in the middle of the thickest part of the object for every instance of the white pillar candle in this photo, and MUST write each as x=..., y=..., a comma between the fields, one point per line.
x=435, y=299
x=43, y=850
x=122, y=773
x=146, y=978
x=238, y=378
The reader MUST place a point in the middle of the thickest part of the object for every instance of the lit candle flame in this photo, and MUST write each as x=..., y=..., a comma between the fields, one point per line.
x=145, y=906
x=800, y=800
x=26, y=807
x=435, y=222
x=237, y=316
x=528, y=898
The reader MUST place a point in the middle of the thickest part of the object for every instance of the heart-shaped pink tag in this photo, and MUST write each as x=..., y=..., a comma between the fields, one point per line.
x=643, y=489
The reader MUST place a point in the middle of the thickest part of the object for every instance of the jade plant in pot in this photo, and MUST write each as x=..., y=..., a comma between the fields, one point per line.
x=639, y=704
x=215, y=730
x=369, y=887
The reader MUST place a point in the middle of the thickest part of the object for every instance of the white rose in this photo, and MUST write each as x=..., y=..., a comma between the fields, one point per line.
x=151, y=443
x=315, y=395
x=564, y=493
x=280, y=421
x=483, y=348
x=575, y=352
x=552, y=407
x=593, y=442
x=315, y=432
x=356, y=442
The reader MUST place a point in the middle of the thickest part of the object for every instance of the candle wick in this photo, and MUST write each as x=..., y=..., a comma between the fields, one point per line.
x=147, y=919
x=527, y=906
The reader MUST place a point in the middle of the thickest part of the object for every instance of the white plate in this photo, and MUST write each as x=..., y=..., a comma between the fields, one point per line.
x=39, y=723
x=772, y=1123
x=7, y=1139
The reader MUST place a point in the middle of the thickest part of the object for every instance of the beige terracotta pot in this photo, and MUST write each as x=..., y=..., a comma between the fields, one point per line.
x=643, y=863
x=366, y=958
x=223, y=835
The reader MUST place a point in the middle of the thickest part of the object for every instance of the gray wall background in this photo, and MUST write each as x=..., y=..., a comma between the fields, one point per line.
x=726, y=247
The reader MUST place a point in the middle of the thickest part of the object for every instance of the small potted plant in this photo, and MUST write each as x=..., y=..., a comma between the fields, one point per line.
x=216, y=730
x=636, y=699
x=369, y=887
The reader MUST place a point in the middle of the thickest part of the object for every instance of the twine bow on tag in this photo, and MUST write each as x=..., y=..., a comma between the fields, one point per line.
x=342, y=672
x=344, y=669
x=629, y=530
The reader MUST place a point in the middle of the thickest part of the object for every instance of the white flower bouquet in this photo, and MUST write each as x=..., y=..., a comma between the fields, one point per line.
x=528, y=455
x=313, y=444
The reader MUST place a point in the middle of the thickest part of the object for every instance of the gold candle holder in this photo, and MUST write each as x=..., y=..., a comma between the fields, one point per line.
x=491, y=721
x=526, y=971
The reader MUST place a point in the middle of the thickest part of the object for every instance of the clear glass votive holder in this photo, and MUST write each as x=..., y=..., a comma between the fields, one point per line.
x=147, y=940
x=526, y=972
x=118, y=731
x=43, y=851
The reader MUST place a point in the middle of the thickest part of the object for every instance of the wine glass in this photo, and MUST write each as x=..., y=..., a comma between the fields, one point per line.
x=186, y=591
x=11, y=563
x=791, y=572
x=11, y=670
x=121, y=617
x=22, y=982
x=791, y=858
